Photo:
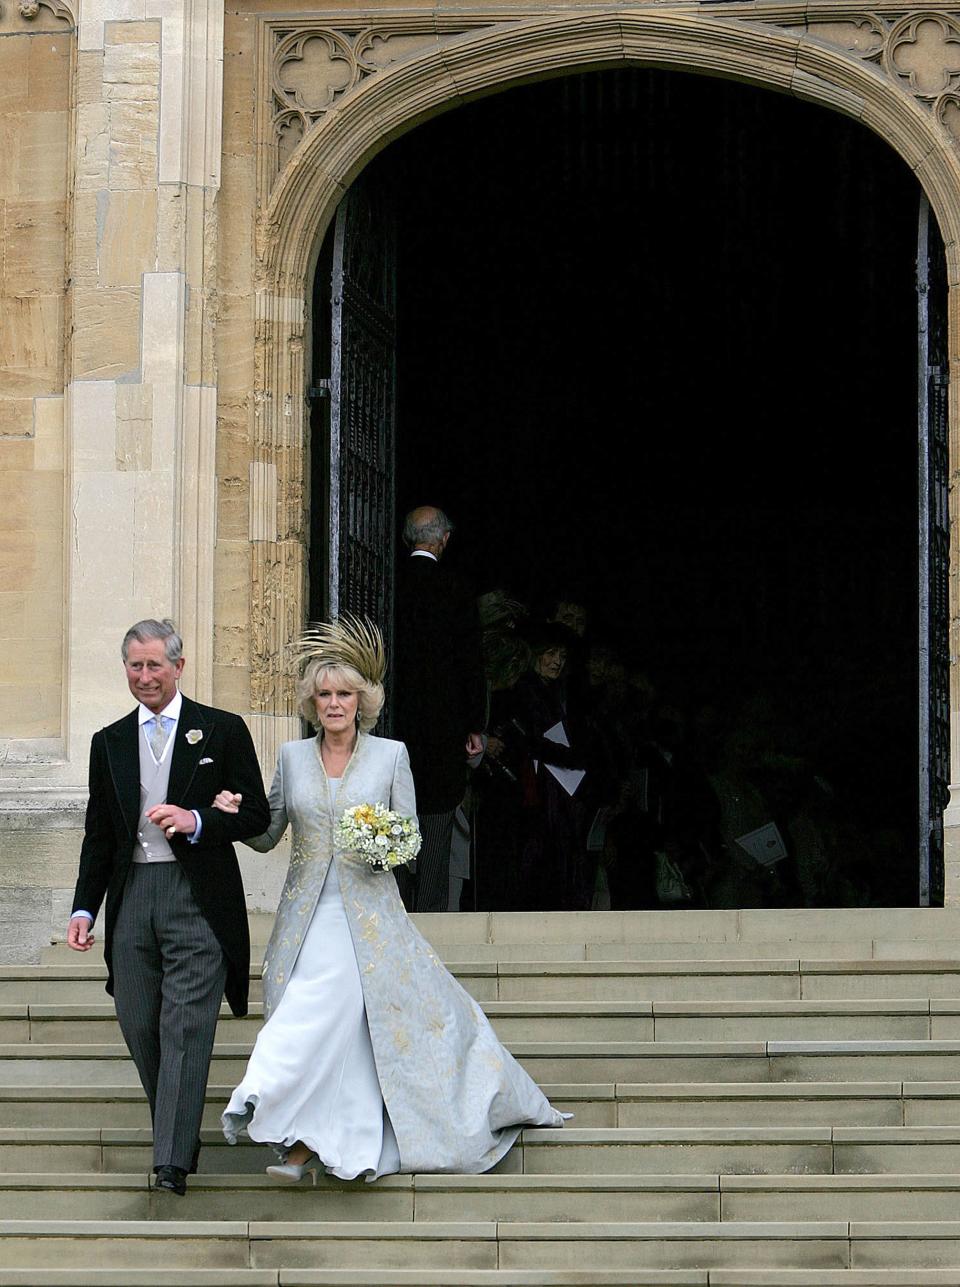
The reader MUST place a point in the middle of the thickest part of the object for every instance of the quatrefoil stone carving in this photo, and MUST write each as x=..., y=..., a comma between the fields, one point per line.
x=924, y=52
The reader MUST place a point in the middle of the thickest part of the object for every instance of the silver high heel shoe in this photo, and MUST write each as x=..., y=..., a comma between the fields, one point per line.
x=293, y=1172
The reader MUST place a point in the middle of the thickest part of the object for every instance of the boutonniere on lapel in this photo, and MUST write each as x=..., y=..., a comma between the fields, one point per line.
x=194, y=736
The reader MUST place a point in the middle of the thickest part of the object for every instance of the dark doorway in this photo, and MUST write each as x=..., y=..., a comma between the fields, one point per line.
x=657, y=353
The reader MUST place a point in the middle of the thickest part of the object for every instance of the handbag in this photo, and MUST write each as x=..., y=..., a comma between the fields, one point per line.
x=670, y=884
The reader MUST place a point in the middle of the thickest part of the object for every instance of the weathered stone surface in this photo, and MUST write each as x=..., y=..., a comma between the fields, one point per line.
x=127, y=245
x=34, y=237
x=132, y=71
x=31, y=345
x=16, y=416
x=106, y=333
x=131, y=33
x=133, y=144
x=134, y=426
x=48, y=73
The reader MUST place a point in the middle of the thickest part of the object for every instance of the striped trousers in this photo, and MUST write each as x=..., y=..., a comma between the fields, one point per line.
x=432, y=889
x=169, y=975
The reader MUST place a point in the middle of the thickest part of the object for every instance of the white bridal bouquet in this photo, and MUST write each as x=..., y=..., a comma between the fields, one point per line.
x=382, y=838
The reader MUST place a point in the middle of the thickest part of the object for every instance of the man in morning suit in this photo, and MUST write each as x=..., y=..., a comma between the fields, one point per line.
x=175, y=933
x=441, y=694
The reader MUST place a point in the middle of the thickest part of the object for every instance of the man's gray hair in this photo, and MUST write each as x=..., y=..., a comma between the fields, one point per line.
x=149, y=629
x=428, y=531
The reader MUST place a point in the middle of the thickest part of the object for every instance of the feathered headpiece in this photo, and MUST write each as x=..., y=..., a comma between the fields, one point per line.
x=348, y=641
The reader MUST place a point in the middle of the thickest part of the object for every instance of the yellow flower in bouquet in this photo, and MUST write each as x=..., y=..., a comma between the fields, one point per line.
x=380, y=837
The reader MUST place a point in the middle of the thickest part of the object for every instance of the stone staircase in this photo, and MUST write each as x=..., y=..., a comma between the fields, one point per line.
x=760, y=1099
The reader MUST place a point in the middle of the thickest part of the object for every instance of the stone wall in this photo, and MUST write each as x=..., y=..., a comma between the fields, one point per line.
x=35, y=84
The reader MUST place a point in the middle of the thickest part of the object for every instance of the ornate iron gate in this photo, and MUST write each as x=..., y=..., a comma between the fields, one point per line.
x=933, y=382
x=363, y=408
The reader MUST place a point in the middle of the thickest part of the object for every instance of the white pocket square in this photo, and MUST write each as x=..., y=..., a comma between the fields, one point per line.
x=206, y=760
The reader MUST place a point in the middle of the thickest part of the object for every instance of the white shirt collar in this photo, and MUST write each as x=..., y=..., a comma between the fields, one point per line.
x=171, y=710
x=423, y=554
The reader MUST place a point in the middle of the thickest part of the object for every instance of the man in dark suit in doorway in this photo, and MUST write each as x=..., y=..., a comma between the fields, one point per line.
x=440, y=693
x=175, y=934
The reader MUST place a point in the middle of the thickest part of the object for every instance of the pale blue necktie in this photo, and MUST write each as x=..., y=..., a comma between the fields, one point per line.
x=158, y=738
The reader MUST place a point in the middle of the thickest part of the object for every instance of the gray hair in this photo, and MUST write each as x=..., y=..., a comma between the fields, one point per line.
x=144, y=631
x=426, y=532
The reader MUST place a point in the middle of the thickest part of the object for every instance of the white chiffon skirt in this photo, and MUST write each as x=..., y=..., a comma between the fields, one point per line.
x=312, y=1075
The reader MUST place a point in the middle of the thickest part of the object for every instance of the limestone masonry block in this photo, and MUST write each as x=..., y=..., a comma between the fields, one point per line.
x=134, y=426
x=131, y=33
x=48, y=73
x=14, y=71
x=16, y=455
x=89, y=77
x=232, y=589
x=31, y=661
x=34, y=238
x=92, y=156
x=30, y=710
x=106, y=340
x=133, y=145
x=16, y=417
x=41, y=168
x=32, y=500
x=231, y=687
x=128, y=241
x=93, y=419
x=22, y=566
x=31, y=345
x=10, y=131
x=48, y=433
x=131, y=72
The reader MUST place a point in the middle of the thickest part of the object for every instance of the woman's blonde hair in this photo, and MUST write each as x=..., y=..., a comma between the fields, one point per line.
x=370, y=696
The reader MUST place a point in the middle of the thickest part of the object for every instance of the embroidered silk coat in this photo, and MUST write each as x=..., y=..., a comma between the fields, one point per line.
x=456, y=1098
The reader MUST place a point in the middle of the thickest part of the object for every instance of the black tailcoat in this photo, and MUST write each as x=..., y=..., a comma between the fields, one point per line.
x=440, y=687
x=222, y=758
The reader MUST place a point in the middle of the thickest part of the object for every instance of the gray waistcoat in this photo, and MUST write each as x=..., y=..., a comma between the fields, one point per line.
x=151, y=843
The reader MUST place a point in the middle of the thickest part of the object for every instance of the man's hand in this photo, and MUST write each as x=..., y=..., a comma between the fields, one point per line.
x=474, y=745
x=172, y=820
x=228, y=801
x=78, y=934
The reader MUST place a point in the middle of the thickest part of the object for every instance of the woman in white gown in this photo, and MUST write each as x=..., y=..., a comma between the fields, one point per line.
x=372, y=1059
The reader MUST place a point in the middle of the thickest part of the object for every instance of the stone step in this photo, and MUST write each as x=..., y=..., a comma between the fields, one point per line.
x=744, y=927
x=377, y=1278
x=591, y=1199
x=607, y=1105
x=590, y=981
x=834, y=1244
x=638, y=1277
x=125, y=1105
x=595, y=1022
x=580, y=1151
x=39, y=1064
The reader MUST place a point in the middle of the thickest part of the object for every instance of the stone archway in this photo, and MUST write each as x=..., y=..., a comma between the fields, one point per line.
x=900, y=77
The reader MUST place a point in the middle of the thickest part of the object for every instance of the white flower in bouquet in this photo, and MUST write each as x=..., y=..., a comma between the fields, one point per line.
x=382, y=838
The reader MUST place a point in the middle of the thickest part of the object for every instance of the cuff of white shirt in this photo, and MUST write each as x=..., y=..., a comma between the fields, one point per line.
x=81, y=912
x=196, y=835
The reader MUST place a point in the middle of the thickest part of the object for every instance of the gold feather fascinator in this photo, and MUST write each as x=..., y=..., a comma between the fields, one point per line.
x=348, y=641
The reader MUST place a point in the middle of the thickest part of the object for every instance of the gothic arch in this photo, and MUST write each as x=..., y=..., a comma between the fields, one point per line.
x=452, y=70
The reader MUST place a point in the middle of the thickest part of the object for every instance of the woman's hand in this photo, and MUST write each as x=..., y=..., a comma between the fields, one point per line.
x=227, y=801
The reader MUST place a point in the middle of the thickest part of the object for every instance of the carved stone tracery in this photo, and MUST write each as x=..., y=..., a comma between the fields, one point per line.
x=923, y=54
x=314, y=64
x=30, y=11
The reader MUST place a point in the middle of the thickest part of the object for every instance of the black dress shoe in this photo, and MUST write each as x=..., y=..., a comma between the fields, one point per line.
x=172, y=1178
